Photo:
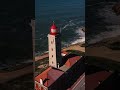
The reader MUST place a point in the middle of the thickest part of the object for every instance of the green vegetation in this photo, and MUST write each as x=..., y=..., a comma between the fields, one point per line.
x=103, y=63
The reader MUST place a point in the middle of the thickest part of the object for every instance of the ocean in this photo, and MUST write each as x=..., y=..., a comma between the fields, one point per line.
x=68, y=15
x=102, y=21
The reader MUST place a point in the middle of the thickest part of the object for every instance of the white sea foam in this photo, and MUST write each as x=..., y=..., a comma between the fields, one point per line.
x=70, y=23
x=73, y=22
x=80, y=35
x=80, y=38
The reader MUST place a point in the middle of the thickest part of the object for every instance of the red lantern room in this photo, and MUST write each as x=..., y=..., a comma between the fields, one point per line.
x=53, y=29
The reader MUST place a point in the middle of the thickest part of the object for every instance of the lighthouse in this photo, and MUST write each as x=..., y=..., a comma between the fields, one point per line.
x=54, y=45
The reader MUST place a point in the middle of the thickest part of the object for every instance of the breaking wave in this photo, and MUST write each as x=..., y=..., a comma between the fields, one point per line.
x=80, y=36
x=74, y=25
x=70, y=29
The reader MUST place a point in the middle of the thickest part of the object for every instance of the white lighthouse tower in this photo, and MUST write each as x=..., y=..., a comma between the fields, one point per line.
x=54, y=47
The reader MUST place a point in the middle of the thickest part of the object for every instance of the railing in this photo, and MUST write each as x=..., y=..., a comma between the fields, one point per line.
x=40, y=86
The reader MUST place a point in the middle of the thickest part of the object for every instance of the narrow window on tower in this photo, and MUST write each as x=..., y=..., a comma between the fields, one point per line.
x=52, y=49
x=51, y=42
x=52, y=62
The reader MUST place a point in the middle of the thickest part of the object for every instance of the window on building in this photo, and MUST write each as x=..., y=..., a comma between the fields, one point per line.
x=51, y=42
x=52, y=62
x=52, y=49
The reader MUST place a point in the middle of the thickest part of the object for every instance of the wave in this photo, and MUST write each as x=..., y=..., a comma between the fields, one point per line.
x=73, y=25
x=80, y=36
x=69, y=23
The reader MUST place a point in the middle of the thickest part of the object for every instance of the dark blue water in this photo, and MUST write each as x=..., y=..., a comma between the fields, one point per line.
x=69, y=15
x=102, y=21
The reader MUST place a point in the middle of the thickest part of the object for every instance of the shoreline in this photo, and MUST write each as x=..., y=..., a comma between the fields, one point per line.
x=28, y=68
x=108, y=48
x=92, y=50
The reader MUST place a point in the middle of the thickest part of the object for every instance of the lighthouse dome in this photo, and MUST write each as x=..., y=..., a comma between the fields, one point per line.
x=53, y=29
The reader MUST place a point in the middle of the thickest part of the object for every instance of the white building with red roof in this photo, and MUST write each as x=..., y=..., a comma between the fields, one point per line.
x=63, y=73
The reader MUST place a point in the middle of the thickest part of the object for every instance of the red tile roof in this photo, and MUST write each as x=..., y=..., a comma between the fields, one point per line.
x=92, y=80
x=72, y=61
x=50, y=74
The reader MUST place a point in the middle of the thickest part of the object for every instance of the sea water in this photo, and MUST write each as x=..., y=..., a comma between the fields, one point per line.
x=68, y=15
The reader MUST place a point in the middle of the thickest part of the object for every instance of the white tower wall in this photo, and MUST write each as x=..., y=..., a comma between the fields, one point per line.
x=54, y=50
